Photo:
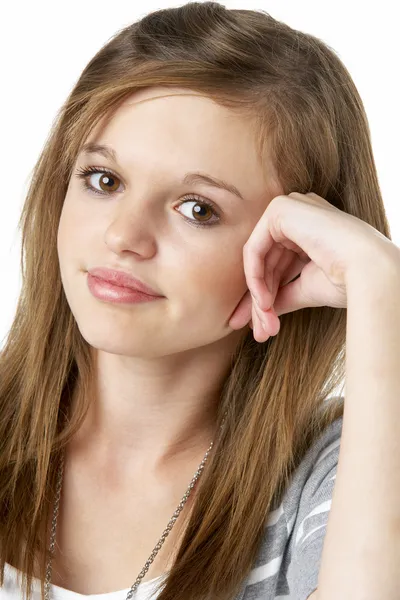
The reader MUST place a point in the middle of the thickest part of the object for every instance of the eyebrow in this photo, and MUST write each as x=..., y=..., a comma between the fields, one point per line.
x=190, y=178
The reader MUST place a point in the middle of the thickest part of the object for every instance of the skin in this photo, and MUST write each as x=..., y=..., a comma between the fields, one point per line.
x=165, y=360
x=160, y=365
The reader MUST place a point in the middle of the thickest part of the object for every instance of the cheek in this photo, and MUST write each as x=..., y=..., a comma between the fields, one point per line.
x=216, y=276
x=64, y=228
x=72, y=241
x=75, y=227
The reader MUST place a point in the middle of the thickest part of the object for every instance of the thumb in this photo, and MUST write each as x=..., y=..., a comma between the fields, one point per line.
x=291, y=297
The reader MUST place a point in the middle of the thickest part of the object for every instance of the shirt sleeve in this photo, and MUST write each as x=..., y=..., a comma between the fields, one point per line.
x=311, y=517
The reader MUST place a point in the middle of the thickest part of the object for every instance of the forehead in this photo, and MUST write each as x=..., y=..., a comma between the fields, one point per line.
x=176, y=108
x=179, y=108
x=169, y=124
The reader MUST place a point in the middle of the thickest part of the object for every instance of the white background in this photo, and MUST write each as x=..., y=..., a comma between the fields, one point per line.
x=44, y=46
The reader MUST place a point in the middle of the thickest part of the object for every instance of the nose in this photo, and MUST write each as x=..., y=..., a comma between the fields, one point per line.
x=132, y=227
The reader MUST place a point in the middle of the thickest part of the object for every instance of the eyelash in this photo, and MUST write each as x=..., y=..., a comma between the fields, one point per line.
x=84, y=172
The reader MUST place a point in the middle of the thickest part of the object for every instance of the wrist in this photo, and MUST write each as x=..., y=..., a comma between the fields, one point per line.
x=378, y=269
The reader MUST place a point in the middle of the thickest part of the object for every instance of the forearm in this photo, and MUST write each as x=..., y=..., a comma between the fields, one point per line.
x=361, y=554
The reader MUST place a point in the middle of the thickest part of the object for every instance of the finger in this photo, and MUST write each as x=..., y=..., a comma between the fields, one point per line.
x=242, y=312
x=283, y=258
x=266, y=325
x=275, y=260
x=245, y=311
x=291, y=297
x=283, y=269
x=254, y=259
x=264, y=263
x=273, y=323
x=258, y=331
x=293, y=269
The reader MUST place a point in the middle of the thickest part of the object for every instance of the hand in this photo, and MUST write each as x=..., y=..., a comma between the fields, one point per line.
x=302, y=234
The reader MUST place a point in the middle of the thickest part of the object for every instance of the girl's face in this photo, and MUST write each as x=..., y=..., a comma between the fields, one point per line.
x=152, y=222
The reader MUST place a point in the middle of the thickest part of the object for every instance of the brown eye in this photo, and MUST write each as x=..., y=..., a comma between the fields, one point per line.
x=201, y=210
x=106, y=180
x=110, y=182
x=205, y=212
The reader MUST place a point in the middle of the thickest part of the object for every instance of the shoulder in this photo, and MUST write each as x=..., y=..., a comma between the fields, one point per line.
x=288, y=561
x=306, y=508
x=314, y=478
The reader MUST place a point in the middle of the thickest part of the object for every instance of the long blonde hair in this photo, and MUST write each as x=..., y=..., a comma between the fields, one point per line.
x=312, y=127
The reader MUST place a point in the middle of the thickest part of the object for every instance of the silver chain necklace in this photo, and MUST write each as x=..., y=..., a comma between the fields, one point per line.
x=158, y=546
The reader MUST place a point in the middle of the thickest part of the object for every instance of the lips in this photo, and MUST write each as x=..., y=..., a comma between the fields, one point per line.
x=122, y=279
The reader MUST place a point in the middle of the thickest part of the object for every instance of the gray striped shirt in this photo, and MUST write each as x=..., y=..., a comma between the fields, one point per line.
x=290, y=554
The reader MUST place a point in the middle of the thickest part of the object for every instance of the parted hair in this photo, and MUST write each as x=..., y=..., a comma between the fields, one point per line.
x=279, y=396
